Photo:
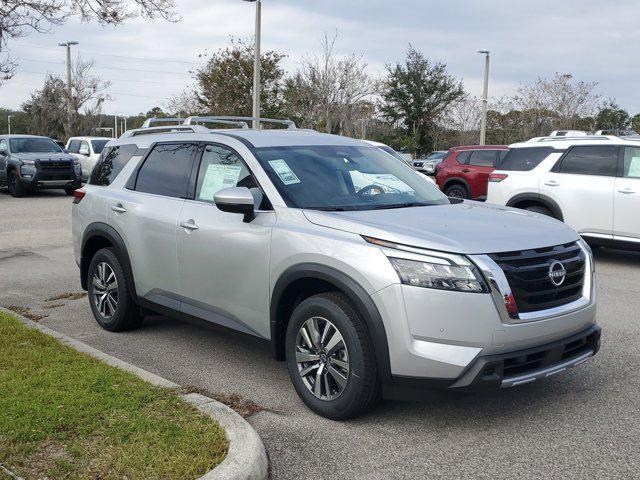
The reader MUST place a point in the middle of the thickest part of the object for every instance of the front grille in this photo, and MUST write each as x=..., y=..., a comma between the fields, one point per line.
x=418, y=164
x=59, y=166
x=527, y=272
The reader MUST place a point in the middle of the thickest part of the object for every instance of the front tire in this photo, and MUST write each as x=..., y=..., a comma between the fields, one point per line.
x=330, y=358
x=15, y=187
x=109, y=295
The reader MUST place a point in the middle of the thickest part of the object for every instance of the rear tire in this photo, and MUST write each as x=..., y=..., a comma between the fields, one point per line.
x=109, y=295
x=457, y=191
x=341, y=379
x=540, y=209
x=15, y=187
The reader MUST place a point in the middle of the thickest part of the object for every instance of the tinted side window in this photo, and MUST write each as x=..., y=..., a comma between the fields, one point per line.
x=524, y=159
x=74, y=146
x=463, y=157
x=483, y=158
x=166, y=170
x=223, y=168
x=111, y=162
x=632, y=162
x=591, y=160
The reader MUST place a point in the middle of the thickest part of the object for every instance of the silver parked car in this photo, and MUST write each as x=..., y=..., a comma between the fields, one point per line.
x=364, y=288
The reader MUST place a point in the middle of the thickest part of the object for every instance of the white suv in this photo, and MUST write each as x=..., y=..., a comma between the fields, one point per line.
x=87, y=150
x=592, y=183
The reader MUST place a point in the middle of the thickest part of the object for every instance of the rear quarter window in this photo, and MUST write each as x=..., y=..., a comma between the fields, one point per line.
x=524, y=159
x=110, y=164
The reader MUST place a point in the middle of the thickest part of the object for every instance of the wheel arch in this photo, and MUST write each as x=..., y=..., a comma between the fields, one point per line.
x=524, y=200
x=100, y=235
x=301, y=281
x=457, y=181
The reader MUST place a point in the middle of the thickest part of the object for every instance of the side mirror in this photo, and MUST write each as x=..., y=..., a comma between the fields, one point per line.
x=84, y=151
x=3, y=151
x=236, y=200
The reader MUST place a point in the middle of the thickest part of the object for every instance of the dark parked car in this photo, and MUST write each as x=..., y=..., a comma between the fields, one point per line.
x=464, y=173
x=28, y=163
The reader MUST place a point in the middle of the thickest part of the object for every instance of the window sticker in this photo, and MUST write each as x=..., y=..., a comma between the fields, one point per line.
x=218, y=177
x=284, y=171
x=634, y=167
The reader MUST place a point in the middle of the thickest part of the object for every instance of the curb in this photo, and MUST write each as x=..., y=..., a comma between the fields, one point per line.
x=246, y=458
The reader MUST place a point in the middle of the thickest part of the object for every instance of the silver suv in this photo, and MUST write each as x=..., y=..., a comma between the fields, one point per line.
x=361, y=274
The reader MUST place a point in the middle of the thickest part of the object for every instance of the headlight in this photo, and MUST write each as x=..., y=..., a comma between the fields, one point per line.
x=429, y=167
x=442, y=274
x=28, y=162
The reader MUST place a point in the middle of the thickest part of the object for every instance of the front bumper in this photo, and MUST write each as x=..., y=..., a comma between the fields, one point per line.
x=45, y=180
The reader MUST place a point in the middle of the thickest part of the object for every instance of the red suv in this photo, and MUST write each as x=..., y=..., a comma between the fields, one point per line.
x=464, y=172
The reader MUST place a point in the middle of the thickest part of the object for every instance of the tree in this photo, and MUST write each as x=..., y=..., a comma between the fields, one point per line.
x=19, y=17
x=635, y=123
x=559, y=100
x=185, y=104
x=225, y=83
x=330, y=92
x=612, y=117
x=46, y=110
x=416, y=94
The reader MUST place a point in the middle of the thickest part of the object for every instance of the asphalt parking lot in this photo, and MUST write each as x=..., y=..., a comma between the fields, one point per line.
x=582, y=424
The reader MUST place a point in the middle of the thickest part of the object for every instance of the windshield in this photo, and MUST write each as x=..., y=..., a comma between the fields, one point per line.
x=345, y=178
x=33, y=145
x=435, y=155
x=392, y=152
x=98, y=145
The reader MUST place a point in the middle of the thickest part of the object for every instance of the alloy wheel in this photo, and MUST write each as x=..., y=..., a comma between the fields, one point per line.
x=105, y=290
x=322, y=358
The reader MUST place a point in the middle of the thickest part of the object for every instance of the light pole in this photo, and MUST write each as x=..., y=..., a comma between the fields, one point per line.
x=256, y=65
x=69, y=92
x=9, y=123
x=485, y=95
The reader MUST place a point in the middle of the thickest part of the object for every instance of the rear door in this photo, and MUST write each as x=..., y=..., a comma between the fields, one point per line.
x=626, y=195
x=582, y=184
x=146, y=214
x=223, y=262
x=481, y=164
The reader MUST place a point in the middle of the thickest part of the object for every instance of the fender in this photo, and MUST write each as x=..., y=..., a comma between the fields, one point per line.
x=361, y=300
x=103, y=231
x=540, y=199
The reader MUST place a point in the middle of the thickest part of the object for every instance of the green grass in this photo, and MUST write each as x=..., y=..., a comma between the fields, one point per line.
x=66, y=415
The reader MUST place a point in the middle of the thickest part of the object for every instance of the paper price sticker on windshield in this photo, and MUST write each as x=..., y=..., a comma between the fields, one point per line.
x=218, y=177
x=284, y=171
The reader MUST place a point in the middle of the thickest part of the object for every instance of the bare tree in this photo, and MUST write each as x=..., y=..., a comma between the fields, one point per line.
x=46, y=106
x=559, y=98
x=185, y=103
x=330, y=91
x=463, y=118
x=19, y=17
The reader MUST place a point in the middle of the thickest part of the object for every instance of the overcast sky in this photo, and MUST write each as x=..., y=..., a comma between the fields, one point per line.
x=148, y=62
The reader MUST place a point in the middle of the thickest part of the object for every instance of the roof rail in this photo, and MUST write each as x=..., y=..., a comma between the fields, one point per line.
x=150, y=121
x=224, y=121
x=565, y=139
x=288, y=123
x=164, y=129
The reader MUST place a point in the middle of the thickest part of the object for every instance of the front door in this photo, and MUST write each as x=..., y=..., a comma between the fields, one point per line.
x=582, y=185
x=223, y=262
x=626, y=196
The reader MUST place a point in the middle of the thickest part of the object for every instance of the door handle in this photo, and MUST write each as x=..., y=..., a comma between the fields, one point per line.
x=627, y=191
x=118, y=208
x=189, y=225
x=551, y=183
x=466, y=170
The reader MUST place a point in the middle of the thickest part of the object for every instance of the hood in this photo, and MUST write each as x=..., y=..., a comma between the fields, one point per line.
x=467, y=227
x=44, y=157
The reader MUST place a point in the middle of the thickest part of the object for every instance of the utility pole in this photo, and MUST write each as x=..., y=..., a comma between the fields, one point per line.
x=9, y=123
x=256, y=64
x=115, y=126
x=69, y=90
x=485, y=97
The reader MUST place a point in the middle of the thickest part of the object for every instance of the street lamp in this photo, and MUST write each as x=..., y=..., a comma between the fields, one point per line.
x=69, y=92
x=256, y=66
x=485, y=95
x=9, y=123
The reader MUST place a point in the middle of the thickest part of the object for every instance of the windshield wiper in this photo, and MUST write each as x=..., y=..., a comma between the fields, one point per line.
x=401, y=205
x=332, y=209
